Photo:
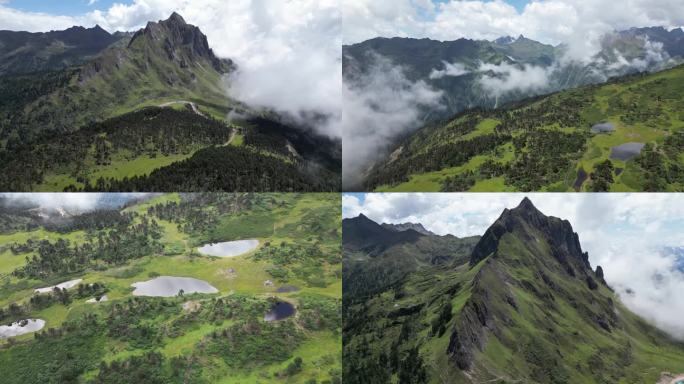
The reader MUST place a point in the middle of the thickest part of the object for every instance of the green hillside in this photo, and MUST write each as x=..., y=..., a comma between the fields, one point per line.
x=164, y=149
x=220, y=337
x=98, y=125
x=547, y=144
x=525, y=307
x=166, y=61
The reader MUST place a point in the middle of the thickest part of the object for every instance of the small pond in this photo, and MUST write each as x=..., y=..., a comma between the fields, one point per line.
x=229, y=248
x=626, y=151
x=581, y=178
x=618, y=171
x=603, y=128
x=21, y=327
x=287, y=289
x=64, y=285
x=279, y=311
x=167, y=286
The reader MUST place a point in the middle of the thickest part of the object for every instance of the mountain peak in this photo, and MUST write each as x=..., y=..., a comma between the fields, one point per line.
x=360, y=216
x=176, y=18
x=528, y=223
x=526, y=203
x=403, y=227
x=180, y=42
x=504, y=40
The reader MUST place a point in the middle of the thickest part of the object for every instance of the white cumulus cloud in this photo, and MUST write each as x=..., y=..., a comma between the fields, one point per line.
x=288, y=52
x=450, y=69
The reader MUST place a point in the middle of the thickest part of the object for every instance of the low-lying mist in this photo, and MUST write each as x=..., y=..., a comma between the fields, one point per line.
x=72, y=202
x=288, y=57
x=382, y=105
x=379, y=106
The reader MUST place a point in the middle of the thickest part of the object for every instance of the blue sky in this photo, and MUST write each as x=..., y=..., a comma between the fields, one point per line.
x=62, y=7
x=77, y=7
x=518, y=4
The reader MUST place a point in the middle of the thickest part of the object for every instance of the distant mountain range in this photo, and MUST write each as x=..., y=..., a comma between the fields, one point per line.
x=519, y=304
x=378, y=256
x=428, y=60
x=99, y=93
x=25, y=52
x=418, y=227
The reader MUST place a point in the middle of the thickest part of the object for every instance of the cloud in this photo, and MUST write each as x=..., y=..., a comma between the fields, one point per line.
x=366, y=19
x=653, y=57
x=578, y=23
x=624, y=233
x=15, y=20
x=378, y=107
x=288, y=52
x=80, y=202
x=499, y=79
x=455, y=70
x=92, y=2
x=294, y=65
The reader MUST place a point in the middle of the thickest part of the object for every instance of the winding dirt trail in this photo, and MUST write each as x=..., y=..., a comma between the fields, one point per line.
x=190, y=103
x=233, y=132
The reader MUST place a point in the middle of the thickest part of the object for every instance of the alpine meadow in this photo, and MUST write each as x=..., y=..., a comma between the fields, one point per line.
x=170, y=288
x=591, y=106
x=151, y=109
x=518, y=302
x=341, y=192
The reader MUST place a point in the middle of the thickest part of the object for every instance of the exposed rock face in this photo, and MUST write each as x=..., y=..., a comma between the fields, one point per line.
x=151, y=48
x=599, y=275
x=522, y=241
x=181, y=42
x=363, y=234
x=483, y=313
x=524, y=221
x=406, y=226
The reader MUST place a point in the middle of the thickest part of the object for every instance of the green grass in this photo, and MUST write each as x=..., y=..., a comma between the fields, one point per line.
x=432, y=181
x=642, y=109
x=484, y=127
x=118, y=169
x=238, y=140
x=320, y=350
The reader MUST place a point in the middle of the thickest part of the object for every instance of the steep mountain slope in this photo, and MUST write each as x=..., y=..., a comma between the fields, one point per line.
x=165, y=61
x=623, y=52
x=525, y=307
x=418, y=58
x=164, y=149
x=625, y=135
x=376, y=257
x=25, y=52
x=418, y=227
x=97, y=126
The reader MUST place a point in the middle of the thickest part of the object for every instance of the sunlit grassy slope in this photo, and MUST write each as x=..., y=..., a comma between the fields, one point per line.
x=642, y=108
x=280, y=218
